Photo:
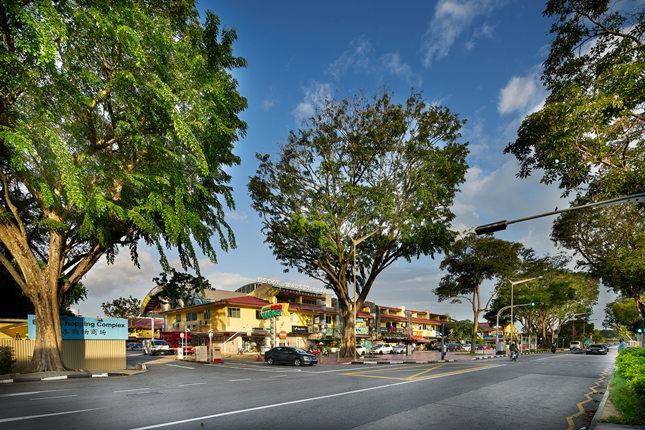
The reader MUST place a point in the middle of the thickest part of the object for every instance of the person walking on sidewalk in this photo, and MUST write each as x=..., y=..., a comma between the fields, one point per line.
x=622, y=345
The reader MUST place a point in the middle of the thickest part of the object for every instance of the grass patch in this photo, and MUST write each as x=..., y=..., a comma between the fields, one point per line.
x=630, y=405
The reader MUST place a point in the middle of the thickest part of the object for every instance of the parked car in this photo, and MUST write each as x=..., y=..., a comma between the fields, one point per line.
x=605, y=345
x=129, y=345
x=381, y=348
x=136, y=347
x=289, y=355
x=596, y=348
x=575, y=345
x=154, y=347
x=465, y=347
x=399, y=349
x=360, y=350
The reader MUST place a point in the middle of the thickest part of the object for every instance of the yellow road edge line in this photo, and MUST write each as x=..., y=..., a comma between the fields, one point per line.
x=581, y=410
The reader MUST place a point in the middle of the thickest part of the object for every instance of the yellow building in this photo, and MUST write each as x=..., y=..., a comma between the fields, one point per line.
x=13, y=328
x=238, y=324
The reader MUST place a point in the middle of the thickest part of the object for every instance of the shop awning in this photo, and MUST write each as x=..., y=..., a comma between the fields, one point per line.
x=420, y=339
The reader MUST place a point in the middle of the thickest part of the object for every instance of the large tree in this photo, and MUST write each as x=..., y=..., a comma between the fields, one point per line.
x=117, y=120
x=590, y=132
x=611, y=242
x=361, y=165
x=474, y=260
x=620, y=313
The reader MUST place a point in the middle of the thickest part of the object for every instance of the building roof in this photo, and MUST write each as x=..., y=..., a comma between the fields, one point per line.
x=427, y=321
x=144, y=323
x=235, y=301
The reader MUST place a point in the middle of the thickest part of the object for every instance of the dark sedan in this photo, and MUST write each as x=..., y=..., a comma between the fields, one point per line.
x=289, y=355
x=596, y=348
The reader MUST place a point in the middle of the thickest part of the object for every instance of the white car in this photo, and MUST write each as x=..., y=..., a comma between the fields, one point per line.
x=155, y=347
x=399, y=349
x=465, y=347
x=360, y=350
x=381, y=348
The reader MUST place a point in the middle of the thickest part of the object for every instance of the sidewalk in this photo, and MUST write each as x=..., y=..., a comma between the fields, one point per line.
x=66, y=374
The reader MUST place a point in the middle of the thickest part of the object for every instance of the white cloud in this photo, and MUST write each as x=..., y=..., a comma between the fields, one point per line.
x=518, y=94
x=485, y=31
x=268, y=104
x=356, y=58
x=393, y=64
x=234, y=216
x=315, y=96
x=121, y=278
x=450, y=19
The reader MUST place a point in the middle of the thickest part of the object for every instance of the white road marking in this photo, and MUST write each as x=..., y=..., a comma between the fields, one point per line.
x=29, y=417
x=294, y=402
x=196, y=383
x=183, y=367
x=136, y=389
x=277, y=376
x=54, y=397
x=28, y=393
x=235, y=380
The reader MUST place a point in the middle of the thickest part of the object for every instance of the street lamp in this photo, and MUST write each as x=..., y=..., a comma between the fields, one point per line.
x=356, y=242
x=513, y=284
x=501, y=225
x=511, y=307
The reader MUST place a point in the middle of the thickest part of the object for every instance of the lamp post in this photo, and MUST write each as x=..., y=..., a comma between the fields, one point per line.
x=501, y=225
x=503, y=309
x=356, y=242
x=512, y=285
x=186, y=331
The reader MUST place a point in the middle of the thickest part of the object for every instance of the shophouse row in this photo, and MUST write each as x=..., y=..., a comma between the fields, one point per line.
x=262, y=315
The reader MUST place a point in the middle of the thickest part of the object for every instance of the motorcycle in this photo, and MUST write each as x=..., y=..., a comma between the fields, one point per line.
x=513, y=356
x=553, y=349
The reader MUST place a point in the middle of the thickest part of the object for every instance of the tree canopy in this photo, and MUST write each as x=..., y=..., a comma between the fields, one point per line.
x=611, y=242
x=180, y=289
x=122, y=307
x=361, y=165
x=589, y=133
x=117, y=121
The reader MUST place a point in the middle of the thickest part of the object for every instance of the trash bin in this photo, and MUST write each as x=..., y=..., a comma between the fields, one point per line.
x=500, y=348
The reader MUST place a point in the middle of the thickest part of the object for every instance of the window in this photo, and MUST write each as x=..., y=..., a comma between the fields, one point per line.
x=191, y=316
x=234, y=312
x=207, y=314
x=308, y=302
x=328, y=319
x=258, y=315
x=178, y=318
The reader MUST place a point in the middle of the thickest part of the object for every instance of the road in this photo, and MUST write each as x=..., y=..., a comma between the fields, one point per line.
x=545, y=391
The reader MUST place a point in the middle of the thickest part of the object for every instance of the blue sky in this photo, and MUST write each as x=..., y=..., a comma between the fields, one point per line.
x=480, y=58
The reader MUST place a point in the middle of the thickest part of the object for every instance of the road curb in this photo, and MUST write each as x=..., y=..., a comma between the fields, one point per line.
x=63, y=377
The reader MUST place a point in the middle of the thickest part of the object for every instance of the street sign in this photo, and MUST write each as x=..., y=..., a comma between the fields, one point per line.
x=283, y=334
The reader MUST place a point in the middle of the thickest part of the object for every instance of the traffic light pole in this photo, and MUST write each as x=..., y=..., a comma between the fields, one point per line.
x=443, y=347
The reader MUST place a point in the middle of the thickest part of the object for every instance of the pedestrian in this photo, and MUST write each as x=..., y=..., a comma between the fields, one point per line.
x=622, y=345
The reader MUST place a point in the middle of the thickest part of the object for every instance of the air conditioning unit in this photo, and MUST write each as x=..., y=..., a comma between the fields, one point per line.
x=323, y=325
x=310, y=321
x=317, y=320
x=316, y=329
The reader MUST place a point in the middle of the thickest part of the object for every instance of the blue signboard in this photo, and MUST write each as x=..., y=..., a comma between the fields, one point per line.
x=75, y=328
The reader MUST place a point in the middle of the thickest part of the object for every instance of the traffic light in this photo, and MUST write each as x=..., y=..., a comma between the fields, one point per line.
x=445, y=330
x=637, y=327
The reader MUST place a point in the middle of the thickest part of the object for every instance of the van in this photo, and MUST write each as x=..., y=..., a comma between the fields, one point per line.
x=154, y=347
x=575, y=344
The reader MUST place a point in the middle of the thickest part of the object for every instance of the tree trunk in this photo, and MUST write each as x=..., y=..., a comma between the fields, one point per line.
x=348, y=324
x=473, y=341
x=48, y=350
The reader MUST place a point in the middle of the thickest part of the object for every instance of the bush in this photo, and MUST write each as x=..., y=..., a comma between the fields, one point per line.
x=631, y=366
x=6, y=360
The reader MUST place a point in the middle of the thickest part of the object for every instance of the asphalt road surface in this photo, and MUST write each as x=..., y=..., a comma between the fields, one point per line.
x=545, y=391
